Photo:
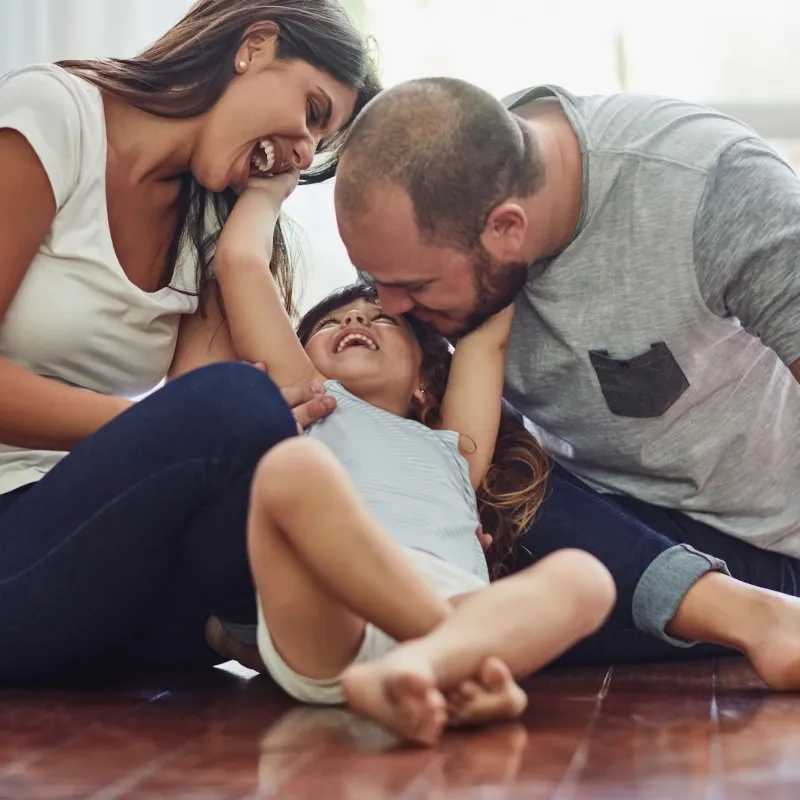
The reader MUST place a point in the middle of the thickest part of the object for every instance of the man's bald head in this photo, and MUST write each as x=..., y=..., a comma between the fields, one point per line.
x=453, y=148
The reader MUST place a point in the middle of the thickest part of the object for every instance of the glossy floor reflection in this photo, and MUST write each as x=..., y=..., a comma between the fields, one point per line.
x=699, y=730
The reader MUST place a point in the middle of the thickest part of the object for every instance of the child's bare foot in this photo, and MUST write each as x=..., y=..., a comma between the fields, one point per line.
x=491, y=695
x=773, y=647
x=399, y=694
x=231, y=648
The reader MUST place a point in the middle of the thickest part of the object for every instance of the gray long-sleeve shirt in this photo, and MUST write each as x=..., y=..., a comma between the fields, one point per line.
x=654, y=349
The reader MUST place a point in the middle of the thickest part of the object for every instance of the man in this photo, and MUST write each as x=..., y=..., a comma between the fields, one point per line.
x=652, y=249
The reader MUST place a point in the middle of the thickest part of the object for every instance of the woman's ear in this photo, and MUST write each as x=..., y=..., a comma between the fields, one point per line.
x=258, y=45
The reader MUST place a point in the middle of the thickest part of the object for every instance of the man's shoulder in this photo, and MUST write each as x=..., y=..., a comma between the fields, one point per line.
x=642, y=125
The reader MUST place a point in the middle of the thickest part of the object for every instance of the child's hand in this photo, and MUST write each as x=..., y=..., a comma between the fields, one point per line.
x=494, y=331
x=278, y=187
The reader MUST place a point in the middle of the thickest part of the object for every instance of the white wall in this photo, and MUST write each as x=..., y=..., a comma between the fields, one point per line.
x=707, y=50
x=50, y=30
x=323, y=259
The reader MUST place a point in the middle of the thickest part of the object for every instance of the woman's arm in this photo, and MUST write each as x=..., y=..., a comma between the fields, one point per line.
x=205, y=339
x=35, y=412
x=260, y=328
x=474, y=396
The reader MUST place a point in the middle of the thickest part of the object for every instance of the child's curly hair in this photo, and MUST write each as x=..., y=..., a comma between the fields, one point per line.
x=514, y=485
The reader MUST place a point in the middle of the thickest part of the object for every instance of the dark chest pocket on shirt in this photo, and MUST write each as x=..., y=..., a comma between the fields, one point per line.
x=643, y=387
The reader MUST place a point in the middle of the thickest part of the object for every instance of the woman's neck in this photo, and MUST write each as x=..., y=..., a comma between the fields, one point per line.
x=151, y=148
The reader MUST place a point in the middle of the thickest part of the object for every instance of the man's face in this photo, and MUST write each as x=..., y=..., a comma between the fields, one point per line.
x=453, y=291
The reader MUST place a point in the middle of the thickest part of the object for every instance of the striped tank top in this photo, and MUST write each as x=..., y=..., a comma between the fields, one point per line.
x=414, y=480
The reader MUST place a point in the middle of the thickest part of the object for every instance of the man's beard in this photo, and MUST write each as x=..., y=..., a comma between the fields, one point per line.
x=495, y=288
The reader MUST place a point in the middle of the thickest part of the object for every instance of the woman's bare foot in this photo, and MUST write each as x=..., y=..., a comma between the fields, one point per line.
x=490, y=696
x=231, y=648
x=773, y=646
x=399, y=694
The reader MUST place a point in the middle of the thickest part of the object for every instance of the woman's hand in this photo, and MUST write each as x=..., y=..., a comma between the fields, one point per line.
x=309, y=403
x=308, y=400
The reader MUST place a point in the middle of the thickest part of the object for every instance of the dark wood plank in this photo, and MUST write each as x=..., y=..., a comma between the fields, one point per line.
x=682, y=731
x=652, y=737
x=759, y=736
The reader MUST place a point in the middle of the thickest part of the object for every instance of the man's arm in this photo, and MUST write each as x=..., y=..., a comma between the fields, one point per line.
x=747, y=246
x=796, y=369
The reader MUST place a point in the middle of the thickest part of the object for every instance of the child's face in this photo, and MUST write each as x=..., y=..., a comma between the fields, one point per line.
x=367, y=351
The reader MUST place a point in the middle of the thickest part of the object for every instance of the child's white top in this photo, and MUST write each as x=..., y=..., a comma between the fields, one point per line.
x=414, y=480
x=76, y=317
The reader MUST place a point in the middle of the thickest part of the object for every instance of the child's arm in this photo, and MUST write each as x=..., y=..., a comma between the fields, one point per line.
x=260, y=328
x=474, y=396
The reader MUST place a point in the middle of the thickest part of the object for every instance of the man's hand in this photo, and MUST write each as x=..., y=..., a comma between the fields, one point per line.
x=308, y=402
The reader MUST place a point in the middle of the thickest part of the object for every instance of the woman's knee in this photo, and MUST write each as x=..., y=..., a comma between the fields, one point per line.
x=238, y=401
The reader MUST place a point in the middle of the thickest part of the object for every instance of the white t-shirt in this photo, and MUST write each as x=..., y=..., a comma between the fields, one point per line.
x=77, y=318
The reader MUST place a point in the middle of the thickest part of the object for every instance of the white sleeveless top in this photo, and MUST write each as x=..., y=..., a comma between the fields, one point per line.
x=413, y=480
x=77, y=318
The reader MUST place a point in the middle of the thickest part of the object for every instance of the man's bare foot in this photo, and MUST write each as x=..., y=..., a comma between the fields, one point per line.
x=231, y=648
x=399, y=694
x=492, y=695
x=773, y=647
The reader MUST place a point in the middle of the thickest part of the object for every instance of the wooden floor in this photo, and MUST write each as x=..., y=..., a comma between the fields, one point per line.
x=700, y=730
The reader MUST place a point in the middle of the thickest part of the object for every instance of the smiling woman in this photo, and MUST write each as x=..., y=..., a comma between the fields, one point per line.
x=123, y=523
x=252, y=71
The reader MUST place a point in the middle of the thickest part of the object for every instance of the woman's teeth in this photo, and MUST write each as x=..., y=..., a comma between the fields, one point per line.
x=263, y=160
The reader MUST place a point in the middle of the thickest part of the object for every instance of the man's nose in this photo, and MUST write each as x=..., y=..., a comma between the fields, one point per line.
x=395, y=302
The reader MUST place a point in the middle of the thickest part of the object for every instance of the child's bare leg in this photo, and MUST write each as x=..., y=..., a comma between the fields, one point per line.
x=762, y=624
x=322, y=566
x=510, y=629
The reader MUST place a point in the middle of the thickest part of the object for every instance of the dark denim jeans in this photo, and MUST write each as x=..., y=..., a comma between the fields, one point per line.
x=628, y=536
x=114, y=560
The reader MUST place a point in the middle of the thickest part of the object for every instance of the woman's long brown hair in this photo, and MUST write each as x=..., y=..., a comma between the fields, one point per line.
x=515, y=483
x=186, y=71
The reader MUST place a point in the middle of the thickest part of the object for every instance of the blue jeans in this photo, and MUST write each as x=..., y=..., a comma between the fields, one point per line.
x=645, y=548
x=113, y=562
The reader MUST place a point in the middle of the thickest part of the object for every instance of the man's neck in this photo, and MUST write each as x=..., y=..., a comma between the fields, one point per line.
x=555, y=209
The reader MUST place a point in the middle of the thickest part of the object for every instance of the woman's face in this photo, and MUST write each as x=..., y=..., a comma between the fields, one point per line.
x=271, y=118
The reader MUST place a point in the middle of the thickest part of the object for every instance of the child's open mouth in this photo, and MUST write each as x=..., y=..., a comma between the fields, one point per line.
x=351, y=340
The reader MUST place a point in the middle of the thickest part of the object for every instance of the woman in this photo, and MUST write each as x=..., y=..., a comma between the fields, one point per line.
x=122, y=525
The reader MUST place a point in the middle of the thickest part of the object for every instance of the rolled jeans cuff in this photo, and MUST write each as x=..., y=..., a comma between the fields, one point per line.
x=663, y=586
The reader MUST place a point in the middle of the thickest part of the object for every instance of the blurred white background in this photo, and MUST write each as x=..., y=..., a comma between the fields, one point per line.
x=743, y=58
